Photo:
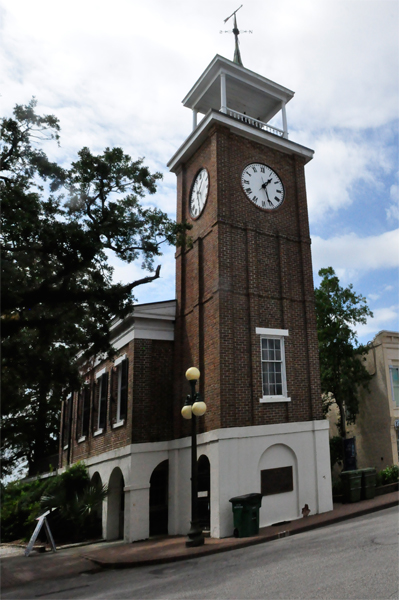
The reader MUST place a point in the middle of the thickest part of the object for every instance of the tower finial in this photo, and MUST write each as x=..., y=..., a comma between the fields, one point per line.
x=236, y=31
x=237, y=55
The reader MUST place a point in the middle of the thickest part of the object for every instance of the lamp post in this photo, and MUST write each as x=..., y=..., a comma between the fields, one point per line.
x=194, y=407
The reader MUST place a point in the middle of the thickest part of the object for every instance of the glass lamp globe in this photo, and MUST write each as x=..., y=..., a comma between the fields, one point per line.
x=199, y=408
x=192, y=374
x=186, y=411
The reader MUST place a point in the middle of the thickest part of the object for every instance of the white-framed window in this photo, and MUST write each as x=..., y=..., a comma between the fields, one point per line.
x=272, y=355
x=121, y=372
x=394, y=376
x=102, y=395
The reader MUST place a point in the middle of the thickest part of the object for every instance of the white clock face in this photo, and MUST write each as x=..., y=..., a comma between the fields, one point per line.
x=263, y=186
x=199, y=193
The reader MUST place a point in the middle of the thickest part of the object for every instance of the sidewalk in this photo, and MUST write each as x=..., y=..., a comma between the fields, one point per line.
x=19, y=570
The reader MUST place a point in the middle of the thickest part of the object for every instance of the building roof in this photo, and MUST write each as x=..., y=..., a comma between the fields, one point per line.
x=247, y=92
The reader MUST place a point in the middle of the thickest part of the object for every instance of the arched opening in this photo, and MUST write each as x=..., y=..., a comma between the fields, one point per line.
x=204, y=492
x=159, y=499
x=97, y=517
x=116, y=505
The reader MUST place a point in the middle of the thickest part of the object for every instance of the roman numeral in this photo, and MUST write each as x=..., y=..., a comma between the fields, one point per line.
x=255, y=199
x=248, y=190
x=249, y=174
x=246, y=181
x=278, y=191
x=262, y=169
x=254, y=169
x=277, y=198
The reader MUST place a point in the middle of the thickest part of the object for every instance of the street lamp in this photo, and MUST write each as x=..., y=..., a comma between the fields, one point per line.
x=194, y=407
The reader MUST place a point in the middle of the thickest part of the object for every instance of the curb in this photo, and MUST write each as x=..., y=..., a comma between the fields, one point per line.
x=245, y=543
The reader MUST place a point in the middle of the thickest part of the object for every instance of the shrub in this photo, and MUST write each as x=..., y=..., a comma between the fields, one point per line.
x=20, y=506
x=389, y=475
x=71, y=493
x=76, y=501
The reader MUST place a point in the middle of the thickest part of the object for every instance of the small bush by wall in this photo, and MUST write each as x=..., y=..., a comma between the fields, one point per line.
x=388, y=475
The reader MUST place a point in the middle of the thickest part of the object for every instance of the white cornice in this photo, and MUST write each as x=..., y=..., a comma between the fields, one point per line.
x=198, y=136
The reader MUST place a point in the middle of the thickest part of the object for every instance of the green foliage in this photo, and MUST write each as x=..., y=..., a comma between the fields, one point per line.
x=336, y=450
x=338, y=311
x=388, y=475
x=71, y=493
x=20, y=505
x=59, y=227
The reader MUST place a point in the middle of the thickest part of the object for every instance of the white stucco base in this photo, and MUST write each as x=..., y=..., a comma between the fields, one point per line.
x=236, y=456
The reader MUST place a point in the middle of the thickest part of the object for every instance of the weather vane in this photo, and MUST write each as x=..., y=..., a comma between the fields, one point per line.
x=236, y=31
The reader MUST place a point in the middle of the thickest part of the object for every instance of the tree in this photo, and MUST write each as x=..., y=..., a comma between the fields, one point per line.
x=59, y=227
x=338, y=311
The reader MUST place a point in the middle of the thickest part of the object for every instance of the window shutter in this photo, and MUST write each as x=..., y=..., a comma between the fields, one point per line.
x=103, y=401
x=79, y=414
x=95, y=404
x=111, y=396
x=64, y=423
x=124, y=388
x=86, y=410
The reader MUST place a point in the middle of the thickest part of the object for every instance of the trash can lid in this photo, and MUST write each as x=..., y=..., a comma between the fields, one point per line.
x=247, y=498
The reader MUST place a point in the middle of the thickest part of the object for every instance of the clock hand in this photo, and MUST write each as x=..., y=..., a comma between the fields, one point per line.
x=264, y=188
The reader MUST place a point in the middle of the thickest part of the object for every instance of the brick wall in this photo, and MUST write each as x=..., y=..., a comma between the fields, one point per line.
x=247, y=268
x=149, y=405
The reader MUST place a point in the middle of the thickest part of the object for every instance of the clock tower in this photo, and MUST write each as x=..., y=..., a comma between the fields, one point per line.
x=245, y=301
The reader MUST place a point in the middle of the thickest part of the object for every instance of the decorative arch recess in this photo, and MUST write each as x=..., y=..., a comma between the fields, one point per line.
x=278, y=474
x=115, y=505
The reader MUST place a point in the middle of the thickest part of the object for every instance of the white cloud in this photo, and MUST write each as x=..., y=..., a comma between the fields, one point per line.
x=342, y=160
x=155, y=291
x=392, y=211
x=349, y=254
x=115, y=74
x=374, y=297
x=384, y=318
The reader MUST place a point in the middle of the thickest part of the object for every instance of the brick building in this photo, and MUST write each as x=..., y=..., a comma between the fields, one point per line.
x=244, y=315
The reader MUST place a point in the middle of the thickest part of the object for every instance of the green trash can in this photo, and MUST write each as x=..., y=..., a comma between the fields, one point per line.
x=246, y=514
x=369, y=477
x=351, y=486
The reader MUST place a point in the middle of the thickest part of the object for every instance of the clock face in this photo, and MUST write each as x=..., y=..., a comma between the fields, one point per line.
x=199, y=193
x=263, y=186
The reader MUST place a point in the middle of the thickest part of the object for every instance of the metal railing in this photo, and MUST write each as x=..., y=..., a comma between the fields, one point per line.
x=254, y=122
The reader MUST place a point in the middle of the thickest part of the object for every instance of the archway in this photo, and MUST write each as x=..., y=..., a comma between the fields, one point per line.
x=204, y=492
x=97, y=515
x=116, y=505
x=159, y=499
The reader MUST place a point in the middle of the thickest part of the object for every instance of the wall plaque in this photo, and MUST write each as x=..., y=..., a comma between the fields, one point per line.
x=276, y=481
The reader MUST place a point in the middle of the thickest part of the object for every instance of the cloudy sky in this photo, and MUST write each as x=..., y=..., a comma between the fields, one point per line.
x=115, y=73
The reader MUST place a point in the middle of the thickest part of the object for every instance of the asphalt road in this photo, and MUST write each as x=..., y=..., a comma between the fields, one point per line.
x=355, y=559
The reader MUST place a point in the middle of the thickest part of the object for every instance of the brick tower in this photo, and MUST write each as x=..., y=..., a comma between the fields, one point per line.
x=244, y=287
